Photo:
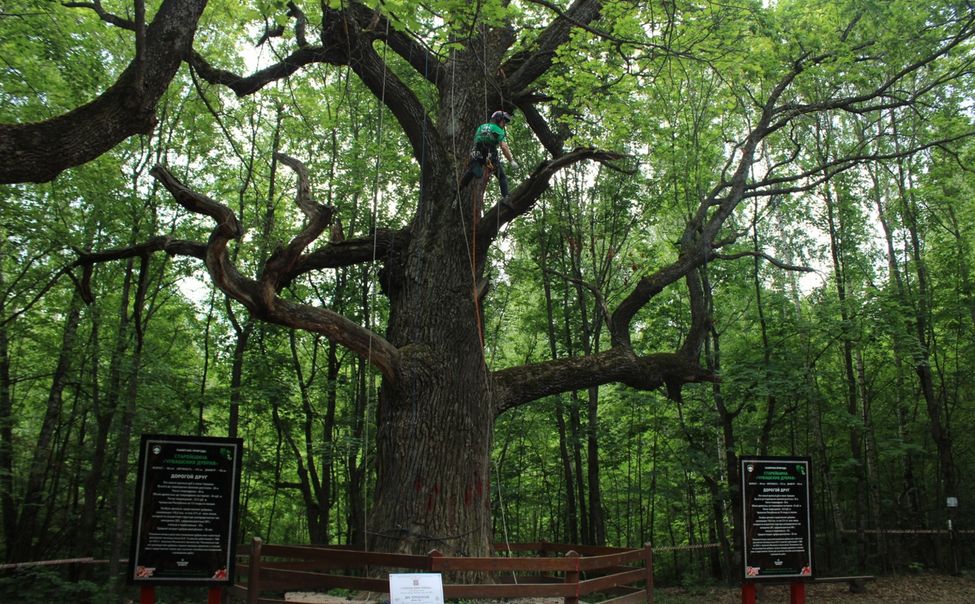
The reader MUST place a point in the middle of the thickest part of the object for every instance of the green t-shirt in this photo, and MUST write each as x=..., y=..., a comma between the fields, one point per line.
x=489, y=133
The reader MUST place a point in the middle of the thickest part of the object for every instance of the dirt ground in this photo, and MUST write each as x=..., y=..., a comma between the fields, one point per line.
x=914, y=589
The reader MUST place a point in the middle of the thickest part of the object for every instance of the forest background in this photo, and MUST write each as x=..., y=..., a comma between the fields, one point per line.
x=839, y=300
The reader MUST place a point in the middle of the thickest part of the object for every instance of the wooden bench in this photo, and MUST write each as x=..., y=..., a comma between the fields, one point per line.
x=858, y=583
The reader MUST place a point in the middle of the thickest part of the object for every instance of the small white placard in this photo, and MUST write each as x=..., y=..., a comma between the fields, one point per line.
x=416, y=588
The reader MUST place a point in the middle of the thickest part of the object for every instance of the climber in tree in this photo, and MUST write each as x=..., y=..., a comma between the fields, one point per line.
x=487, y=139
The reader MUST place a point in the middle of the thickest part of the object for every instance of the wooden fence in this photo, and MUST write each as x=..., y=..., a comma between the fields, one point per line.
x=607, y=575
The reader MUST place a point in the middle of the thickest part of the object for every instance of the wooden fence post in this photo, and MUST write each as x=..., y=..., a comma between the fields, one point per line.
x=254, y=576
x=433, y=563
x=572, y=576
x=648, y=562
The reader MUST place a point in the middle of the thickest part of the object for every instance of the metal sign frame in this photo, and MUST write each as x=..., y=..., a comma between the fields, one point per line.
x=185, y=517
x=777, y=518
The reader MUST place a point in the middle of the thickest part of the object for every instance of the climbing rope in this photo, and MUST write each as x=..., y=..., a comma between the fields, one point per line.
x=375, y=245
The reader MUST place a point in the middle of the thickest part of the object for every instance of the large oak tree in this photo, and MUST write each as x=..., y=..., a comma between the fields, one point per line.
x=439, y=397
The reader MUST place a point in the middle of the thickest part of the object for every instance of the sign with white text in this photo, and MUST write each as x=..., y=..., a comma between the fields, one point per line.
x=777, y=518
x=416, y=588
x=185, y=521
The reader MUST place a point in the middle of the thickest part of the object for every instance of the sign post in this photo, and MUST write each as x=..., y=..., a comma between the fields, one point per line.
x=776, y=499
x=952, y=504
x=185, y=522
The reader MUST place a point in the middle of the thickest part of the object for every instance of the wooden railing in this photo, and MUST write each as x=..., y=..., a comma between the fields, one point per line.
x=600, y=574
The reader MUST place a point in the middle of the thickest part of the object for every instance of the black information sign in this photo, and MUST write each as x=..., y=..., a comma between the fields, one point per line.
x=185, y=526
x=777, y=513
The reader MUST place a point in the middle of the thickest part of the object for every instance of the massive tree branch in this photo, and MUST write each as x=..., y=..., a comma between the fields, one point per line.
x=418, y=56
x=259, y=296
x=401, y=101
x=353, y=251
x=38, y=152
x=648, y=287
x=524, y=384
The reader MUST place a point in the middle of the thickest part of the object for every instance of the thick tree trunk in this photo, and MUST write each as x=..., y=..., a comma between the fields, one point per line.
x=435, y=422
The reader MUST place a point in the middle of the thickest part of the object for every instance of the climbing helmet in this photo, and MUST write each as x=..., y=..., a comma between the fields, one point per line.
x=497, y=116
